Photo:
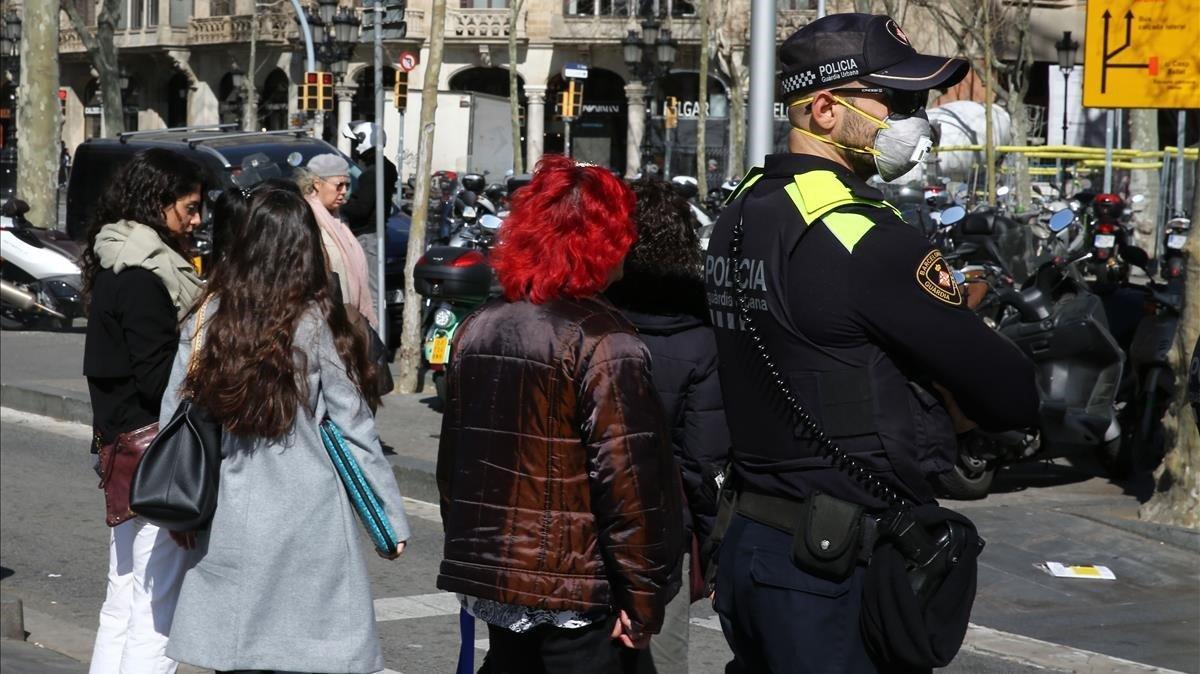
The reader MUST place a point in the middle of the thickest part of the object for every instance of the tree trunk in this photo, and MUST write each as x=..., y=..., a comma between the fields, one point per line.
x=737, y=119
x=514, y=95
x=38, y=114
x=109, y=69
x=1176, y=497
x=702, y=115
x=102, y=50
x=410, y=338
x=1143, y=136
x=1020, y=136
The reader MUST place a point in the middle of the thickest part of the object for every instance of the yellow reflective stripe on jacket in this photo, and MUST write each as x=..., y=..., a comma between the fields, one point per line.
x=747, y=182
x=849, y=228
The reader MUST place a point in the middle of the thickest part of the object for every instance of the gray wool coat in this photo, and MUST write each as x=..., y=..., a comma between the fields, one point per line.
x=282, y=583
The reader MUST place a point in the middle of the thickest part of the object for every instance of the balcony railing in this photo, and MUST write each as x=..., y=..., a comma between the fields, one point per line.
x=611, y=29
x=480, y=25
x=69, y=41
x=272, y=29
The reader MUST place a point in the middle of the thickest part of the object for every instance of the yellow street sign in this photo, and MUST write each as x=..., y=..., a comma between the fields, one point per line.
x=1142, y=54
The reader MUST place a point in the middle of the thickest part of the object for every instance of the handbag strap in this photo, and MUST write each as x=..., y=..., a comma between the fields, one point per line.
x=198, y=335
x=828, y=448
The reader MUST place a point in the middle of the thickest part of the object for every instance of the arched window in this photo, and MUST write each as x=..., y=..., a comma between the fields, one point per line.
x=273, y=101
x=598, y=136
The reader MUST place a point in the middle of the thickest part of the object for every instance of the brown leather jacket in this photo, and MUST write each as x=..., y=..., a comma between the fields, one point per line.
x=558, y=487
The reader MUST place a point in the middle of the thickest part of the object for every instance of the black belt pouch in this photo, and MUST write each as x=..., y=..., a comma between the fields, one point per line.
x=828, y=537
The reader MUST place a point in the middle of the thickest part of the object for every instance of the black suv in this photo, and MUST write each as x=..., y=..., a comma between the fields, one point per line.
x=229, y=157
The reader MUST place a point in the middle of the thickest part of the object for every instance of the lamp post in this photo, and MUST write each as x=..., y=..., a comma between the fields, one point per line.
x=649, y=57
x=1066, y=63
x=235, y=101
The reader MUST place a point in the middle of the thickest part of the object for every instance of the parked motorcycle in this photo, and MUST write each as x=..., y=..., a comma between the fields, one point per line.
x=1174, y=241
x=1056, y=320
x=33, y=267
x=455, y=280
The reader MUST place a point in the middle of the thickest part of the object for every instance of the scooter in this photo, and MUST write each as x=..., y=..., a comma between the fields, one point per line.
x=1061, y=326
x=455, y=280
x=29, y=265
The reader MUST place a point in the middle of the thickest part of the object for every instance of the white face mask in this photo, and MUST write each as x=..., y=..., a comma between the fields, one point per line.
x=900, y=143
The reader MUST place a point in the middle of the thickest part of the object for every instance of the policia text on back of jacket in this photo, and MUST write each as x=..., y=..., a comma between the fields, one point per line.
x=866, y=324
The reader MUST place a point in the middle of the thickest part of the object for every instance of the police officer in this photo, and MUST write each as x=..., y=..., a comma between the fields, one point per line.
x=867, y=327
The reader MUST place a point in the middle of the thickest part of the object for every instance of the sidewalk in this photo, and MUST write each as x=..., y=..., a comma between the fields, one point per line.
x=19, y=657
x=1037, y=513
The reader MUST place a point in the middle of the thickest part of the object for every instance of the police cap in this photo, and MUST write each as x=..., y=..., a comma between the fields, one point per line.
x=866, y=47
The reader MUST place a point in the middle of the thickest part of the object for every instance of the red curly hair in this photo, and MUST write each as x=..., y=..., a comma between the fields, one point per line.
x=567, y=230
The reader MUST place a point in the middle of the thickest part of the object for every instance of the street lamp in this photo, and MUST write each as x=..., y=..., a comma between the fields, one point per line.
x=649, y=57
x=237, y=77
x=335, y=34
x=1066, y=63
x=123, y=79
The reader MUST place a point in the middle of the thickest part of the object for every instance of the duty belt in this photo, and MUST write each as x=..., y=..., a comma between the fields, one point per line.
x=785, y=514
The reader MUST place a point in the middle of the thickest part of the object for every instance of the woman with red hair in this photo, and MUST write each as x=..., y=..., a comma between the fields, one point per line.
x=559, y=494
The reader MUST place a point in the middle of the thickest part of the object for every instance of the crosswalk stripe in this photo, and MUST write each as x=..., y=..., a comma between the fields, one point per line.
x=416, y=606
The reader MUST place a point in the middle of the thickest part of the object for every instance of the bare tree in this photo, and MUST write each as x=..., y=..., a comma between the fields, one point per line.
x=1006, y=45
x=1176, y=497
x=102, y=50
x=514, y=95
x=410, y=338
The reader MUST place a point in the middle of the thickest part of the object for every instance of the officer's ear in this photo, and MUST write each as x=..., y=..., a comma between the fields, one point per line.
x=823, y=111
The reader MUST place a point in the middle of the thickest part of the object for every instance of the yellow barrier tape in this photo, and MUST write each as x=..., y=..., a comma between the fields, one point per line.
x=1073, y=151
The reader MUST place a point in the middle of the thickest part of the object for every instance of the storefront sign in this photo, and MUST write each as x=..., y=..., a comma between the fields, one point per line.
x=717, y=109
x=602, y=108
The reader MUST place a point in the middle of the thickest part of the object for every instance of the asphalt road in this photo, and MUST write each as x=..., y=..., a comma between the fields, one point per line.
x=54, y=546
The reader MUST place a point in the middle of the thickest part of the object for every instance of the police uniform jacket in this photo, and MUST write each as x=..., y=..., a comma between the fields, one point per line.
x=862, y=316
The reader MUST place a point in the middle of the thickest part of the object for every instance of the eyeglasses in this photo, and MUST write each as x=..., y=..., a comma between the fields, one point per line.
x=898, y=101
x=341, y=185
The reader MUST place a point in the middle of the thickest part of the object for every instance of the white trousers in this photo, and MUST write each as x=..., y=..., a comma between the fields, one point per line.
x=145, y=570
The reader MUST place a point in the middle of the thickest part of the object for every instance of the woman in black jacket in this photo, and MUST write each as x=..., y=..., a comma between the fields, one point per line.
x=662, y=294
x=140, y=285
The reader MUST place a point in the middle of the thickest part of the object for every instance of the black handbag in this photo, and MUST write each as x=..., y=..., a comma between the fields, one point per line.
x=921, y=577
x=175, y=485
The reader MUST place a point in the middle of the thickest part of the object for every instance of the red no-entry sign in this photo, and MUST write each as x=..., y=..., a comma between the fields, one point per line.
x=408, y=61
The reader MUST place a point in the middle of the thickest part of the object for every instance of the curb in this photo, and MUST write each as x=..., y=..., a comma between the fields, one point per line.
x=48, y=401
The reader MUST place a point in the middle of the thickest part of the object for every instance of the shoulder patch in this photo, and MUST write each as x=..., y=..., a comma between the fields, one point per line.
x=937, y=278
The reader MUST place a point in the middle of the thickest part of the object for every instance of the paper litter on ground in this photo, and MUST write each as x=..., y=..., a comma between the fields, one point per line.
x=1086, y=571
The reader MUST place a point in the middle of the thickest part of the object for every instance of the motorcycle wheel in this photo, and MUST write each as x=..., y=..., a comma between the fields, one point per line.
x=970, y=480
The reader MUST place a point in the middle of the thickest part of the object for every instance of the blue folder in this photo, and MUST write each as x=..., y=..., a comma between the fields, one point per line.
x=362, y=497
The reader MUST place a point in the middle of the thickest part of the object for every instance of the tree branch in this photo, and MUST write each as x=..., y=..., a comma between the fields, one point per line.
x=86, y=36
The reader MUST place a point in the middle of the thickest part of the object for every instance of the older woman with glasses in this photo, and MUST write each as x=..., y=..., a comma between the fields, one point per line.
x=325, y=183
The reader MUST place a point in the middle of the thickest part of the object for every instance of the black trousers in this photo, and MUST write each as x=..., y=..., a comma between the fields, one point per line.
x=553, y=650
x=779, y=619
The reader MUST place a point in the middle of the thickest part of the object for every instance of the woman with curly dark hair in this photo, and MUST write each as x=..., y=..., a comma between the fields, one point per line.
x=559, y=495
x=282, y=584
x=140, y=285
x=662, y=294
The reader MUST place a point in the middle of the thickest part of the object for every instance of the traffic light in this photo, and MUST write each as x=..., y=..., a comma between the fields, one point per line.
x=671, y=113
x=400, y=90
x=316, y=94
x=570, y=101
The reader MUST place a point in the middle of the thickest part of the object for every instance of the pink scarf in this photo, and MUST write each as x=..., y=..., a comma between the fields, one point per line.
x=353, y=258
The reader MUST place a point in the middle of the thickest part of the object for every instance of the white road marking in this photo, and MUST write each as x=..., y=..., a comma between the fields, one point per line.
x=980, y=639
x=416, y=606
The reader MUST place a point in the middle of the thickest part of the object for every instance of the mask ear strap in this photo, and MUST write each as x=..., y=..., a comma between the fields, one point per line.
x=860, y=150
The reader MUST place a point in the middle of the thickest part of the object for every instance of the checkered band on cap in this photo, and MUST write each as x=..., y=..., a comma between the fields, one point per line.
x=797, y=82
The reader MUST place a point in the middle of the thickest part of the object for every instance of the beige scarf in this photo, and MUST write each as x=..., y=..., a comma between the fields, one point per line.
x=346, y=259
x=125, y=244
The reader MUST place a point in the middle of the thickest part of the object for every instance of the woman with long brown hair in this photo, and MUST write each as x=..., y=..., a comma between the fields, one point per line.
x=282, y=584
